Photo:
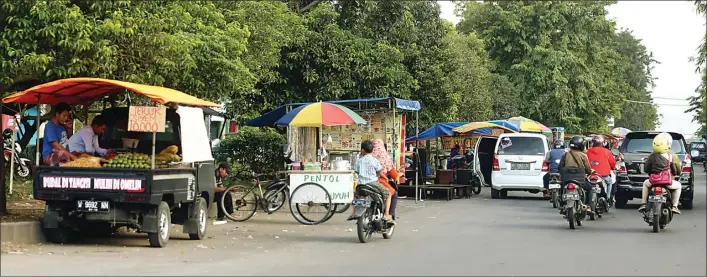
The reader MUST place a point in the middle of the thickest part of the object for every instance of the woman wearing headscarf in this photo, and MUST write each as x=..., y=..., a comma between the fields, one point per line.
x=382, y=155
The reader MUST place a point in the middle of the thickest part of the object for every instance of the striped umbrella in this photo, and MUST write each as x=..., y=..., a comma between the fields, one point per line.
x=620, y=132
x=320, y=114
x=529, y=125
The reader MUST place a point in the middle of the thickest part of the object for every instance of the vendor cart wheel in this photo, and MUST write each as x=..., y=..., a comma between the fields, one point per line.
x=200, y=213
x=243, y=200
x=310, y=204
x=164, y=222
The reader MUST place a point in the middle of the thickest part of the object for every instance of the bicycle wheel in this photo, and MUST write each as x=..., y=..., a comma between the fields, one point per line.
x=340, y=208
x=243, y=201
x=275, y=200
x=310, y=204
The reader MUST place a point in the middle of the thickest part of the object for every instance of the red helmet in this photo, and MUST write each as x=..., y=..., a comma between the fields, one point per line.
x=598, y=141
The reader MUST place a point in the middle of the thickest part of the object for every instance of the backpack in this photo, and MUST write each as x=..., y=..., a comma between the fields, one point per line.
x=663, y=177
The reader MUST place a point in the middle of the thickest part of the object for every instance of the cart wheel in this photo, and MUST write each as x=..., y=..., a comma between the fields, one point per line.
x=242, y=200
x=200, y=214
x=310, y=204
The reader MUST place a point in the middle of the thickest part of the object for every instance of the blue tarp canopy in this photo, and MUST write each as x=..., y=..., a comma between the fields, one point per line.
x=268, y=119
x=438, y=130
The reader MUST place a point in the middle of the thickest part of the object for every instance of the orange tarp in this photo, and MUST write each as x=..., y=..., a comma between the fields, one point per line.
x=81, y=91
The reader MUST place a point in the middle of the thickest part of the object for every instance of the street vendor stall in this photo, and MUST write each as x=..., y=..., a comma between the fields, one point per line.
x=138, y=187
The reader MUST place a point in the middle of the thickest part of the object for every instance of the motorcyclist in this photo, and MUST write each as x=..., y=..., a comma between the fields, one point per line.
x=573, y=164
x=602, y=161
x=553, y=160
x=660, y=160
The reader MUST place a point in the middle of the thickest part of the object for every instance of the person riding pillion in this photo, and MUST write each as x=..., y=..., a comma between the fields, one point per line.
x=660, y=160
x=576, y=161
x=602, y=161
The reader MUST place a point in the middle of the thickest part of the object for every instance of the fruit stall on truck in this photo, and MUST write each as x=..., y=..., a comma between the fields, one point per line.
x=161, y=172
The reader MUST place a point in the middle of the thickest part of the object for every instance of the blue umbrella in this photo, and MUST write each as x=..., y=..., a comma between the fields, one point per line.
x=438, y=130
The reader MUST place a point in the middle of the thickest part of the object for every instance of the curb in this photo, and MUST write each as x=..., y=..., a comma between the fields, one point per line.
x=27, y=232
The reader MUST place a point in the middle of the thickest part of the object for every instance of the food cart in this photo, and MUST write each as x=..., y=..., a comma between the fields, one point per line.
x=385, y=118
x=140, y=187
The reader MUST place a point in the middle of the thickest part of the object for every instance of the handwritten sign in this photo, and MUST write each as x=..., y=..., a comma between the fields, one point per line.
x=338, y=184
x=147, y=119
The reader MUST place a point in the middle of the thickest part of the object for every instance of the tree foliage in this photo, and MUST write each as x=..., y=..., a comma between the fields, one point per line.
x=698, y=103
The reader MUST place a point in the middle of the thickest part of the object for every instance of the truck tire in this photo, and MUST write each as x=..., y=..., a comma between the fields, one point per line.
x=200, y=214
x=164, y=222
x=687, y=204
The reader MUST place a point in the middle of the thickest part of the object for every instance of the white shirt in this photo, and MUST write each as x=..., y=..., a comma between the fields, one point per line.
x=85, y=141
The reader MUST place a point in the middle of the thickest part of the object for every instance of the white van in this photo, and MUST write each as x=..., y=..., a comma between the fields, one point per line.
x=519, y=164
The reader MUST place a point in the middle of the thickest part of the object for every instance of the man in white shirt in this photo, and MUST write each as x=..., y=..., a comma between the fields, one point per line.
x=86, y=139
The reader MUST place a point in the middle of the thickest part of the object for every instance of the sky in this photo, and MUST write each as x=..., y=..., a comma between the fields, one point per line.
x=672, y=30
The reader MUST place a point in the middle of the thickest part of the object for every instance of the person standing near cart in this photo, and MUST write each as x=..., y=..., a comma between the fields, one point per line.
x=56, y=137
x=222, y=172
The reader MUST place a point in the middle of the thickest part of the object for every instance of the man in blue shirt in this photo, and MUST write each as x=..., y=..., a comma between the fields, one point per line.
x=369, y=169
x=86, y=139
x=553, y=160
x=56, y=140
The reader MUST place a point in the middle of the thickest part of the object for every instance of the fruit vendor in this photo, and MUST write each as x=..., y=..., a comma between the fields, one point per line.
x=86, y=139
x=56, y=136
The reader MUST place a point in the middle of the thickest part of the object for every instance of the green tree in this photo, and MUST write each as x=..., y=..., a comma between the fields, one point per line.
x=562, y=55
x=698, y=103
x=636, y=116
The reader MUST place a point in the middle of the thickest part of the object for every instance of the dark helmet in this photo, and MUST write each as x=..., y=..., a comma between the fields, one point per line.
x=598, y=140
x=7, y=134
x=558, y=144
x=577, y=143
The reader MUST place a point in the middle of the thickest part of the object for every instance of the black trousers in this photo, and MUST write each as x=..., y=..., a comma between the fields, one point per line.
x=228, y=205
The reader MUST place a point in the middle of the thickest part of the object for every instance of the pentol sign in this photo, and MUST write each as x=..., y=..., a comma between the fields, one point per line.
x=88, y=183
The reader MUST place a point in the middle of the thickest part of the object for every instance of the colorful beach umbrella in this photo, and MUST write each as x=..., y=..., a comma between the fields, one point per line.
x=485, y=127
x=620, y=132
x=529, y=125
x=320, y=114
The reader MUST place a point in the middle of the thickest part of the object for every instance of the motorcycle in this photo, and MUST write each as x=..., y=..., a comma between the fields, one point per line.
x=466, y=161
x=554, y=188
x=600, y=204
x=22, y=165
x=369, y=206
x=658, y=213
x=573, y=195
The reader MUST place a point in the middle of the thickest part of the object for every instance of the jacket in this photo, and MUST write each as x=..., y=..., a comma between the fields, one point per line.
x=553, y=159
x=601, y=160
x=577, y=159
x=656, y=163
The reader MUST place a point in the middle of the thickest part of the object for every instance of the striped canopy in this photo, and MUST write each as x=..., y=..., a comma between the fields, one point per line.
x=320, y=114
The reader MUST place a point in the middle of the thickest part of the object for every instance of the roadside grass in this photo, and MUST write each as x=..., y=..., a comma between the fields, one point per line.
x=21, y=204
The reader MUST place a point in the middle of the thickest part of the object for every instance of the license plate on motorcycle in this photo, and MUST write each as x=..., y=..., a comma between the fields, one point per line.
x=92, y=206
x=554, y=186
x=570, y=197
x=657, y=199
x=361, y=202
x=520, y=166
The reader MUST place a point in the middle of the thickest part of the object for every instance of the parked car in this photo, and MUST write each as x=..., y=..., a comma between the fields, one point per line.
x=698, y=151
x=516, y=163
x=634, y=150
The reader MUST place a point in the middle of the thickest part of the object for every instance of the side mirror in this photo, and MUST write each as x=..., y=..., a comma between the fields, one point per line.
x=615, y=152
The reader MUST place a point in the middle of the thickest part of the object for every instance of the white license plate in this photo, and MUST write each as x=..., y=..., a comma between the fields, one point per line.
x=361, y=202
x=92, y=206
x=570, y=197
x=520, y=166
x=554, y=186
x=657, y=199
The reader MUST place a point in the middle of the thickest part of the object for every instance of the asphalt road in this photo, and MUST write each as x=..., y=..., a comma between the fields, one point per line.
x=477, y=236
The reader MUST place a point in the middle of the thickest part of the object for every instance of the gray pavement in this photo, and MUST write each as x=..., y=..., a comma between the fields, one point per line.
x=478, y=236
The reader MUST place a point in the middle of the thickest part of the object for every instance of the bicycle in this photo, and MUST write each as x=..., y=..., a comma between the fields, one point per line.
x=246, y=200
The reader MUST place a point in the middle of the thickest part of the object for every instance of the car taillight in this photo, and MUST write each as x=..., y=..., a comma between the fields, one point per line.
x=570, y=187
x=658, y=190
x=496, y=167
x=687, y=164
x=546, y=167
x=622, y=169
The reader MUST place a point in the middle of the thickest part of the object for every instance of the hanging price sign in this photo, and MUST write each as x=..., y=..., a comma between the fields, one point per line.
x=147, y=119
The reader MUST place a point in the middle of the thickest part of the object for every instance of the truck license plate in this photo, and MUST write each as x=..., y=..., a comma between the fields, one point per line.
x=520, y=166
x=92, y=206
x=657, y=199
x=554, y=186
x=570, y=197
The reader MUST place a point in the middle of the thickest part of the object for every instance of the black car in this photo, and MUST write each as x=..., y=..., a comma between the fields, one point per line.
x=700, y=149
x=635, y=149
